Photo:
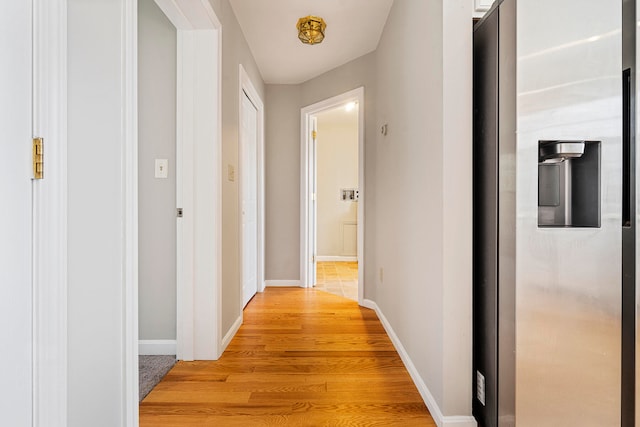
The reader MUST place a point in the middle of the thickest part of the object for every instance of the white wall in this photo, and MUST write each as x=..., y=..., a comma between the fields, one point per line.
x=337, y=168
x=282, y=182
x=457, y=65
x=423, y=192
x=409, y=185
x=157, y=197
x=235, y=51
x=95, y=214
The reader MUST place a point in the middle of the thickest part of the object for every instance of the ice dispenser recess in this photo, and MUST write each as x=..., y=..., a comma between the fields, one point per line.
x=568, y=183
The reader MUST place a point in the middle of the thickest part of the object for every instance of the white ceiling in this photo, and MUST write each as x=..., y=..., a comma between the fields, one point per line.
x=353, y=29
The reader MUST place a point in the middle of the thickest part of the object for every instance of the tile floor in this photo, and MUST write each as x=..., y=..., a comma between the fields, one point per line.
x=338, y=278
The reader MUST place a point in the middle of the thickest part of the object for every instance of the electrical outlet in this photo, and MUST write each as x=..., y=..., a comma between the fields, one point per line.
x=480, y=387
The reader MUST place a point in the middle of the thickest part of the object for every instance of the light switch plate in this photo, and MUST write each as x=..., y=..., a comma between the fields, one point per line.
x=231, y=173
x=162, y=168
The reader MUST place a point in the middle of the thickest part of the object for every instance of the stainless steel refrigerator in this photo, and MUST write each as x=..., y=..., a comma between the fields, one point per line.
x=555, y=214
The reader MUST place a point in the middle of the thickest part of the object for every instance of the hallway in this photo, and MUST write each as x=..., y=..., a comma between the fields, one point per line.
x=301, y=358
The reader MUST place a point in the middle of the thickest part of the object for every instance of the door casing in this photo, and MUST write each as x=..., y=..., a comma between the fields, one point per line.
x=248, y=89
x=307, y=184
x=198, y=179
x=49, y=220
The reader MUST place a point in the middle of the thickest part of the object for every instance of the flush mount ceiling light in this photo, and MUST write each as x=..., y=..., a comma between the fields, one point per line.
x=311, y=29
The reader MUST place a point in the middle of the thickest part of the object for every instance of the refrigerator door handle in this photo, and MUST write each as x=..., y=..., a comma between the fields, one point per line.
x=627, y=129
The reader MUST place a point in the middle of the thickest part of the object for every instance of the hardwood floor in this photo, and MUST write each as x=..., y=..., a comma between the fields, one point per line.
x=302, y=358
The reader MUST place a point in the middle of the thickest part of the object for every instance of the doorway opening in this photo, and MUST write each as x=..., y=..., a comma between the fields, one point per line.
x=336, y=179
x=157, y=57
x=196, y=211
x=332, y=191
x=179, y=57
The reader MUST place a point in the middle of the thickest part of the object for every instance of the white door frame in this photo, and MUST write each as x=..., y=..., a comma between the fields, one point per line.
x=50, y=214
x=129, y=120
x=247, y=86
x=307, y=227
x=198, y=178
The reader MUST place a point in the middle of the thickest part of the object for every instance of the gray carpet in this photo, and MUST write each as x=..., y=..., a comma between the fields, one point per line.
x=151, y=369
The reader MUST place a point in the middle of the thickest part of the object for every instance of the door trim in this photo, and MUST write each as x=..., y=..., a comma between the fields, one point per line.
x=129, y=120
x=307, y=228
x=247, y=86
x=198, y=178
x=50, y=215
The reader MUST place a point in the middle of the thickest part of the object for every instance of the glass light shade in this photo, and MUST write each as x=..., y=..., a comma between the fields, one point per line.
x=311, y=29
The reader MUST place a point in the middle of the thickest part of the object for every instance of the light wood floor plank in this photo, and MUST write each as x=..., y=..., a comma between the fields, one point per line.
x=301, y=358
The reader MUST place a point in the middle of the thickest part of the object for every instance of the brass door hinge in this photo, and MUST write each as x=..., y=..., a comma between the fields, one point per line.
x=38, y=158
x=314, y=134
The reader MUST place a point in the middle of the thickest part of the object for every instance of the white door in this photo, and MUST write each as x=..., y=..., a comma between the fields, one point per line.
x=249, y=201
x=15, y=213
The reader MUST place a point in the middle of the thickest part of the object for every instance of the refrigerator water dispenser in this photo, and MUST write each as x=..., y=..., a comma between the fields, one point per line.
x=568, y=183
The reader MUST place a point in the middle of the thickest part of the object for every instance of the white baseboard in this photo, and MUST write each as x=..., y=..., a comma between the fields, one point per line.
x=156, y=347
x=282, y=283
x=232, y=332
x=459, y=422
x=330, y=258
x=367, y=303
x=429, y=400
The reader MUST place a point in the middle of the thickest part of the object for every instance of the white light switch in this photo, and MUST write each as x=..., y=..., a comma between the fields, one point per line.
x=162, y=168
